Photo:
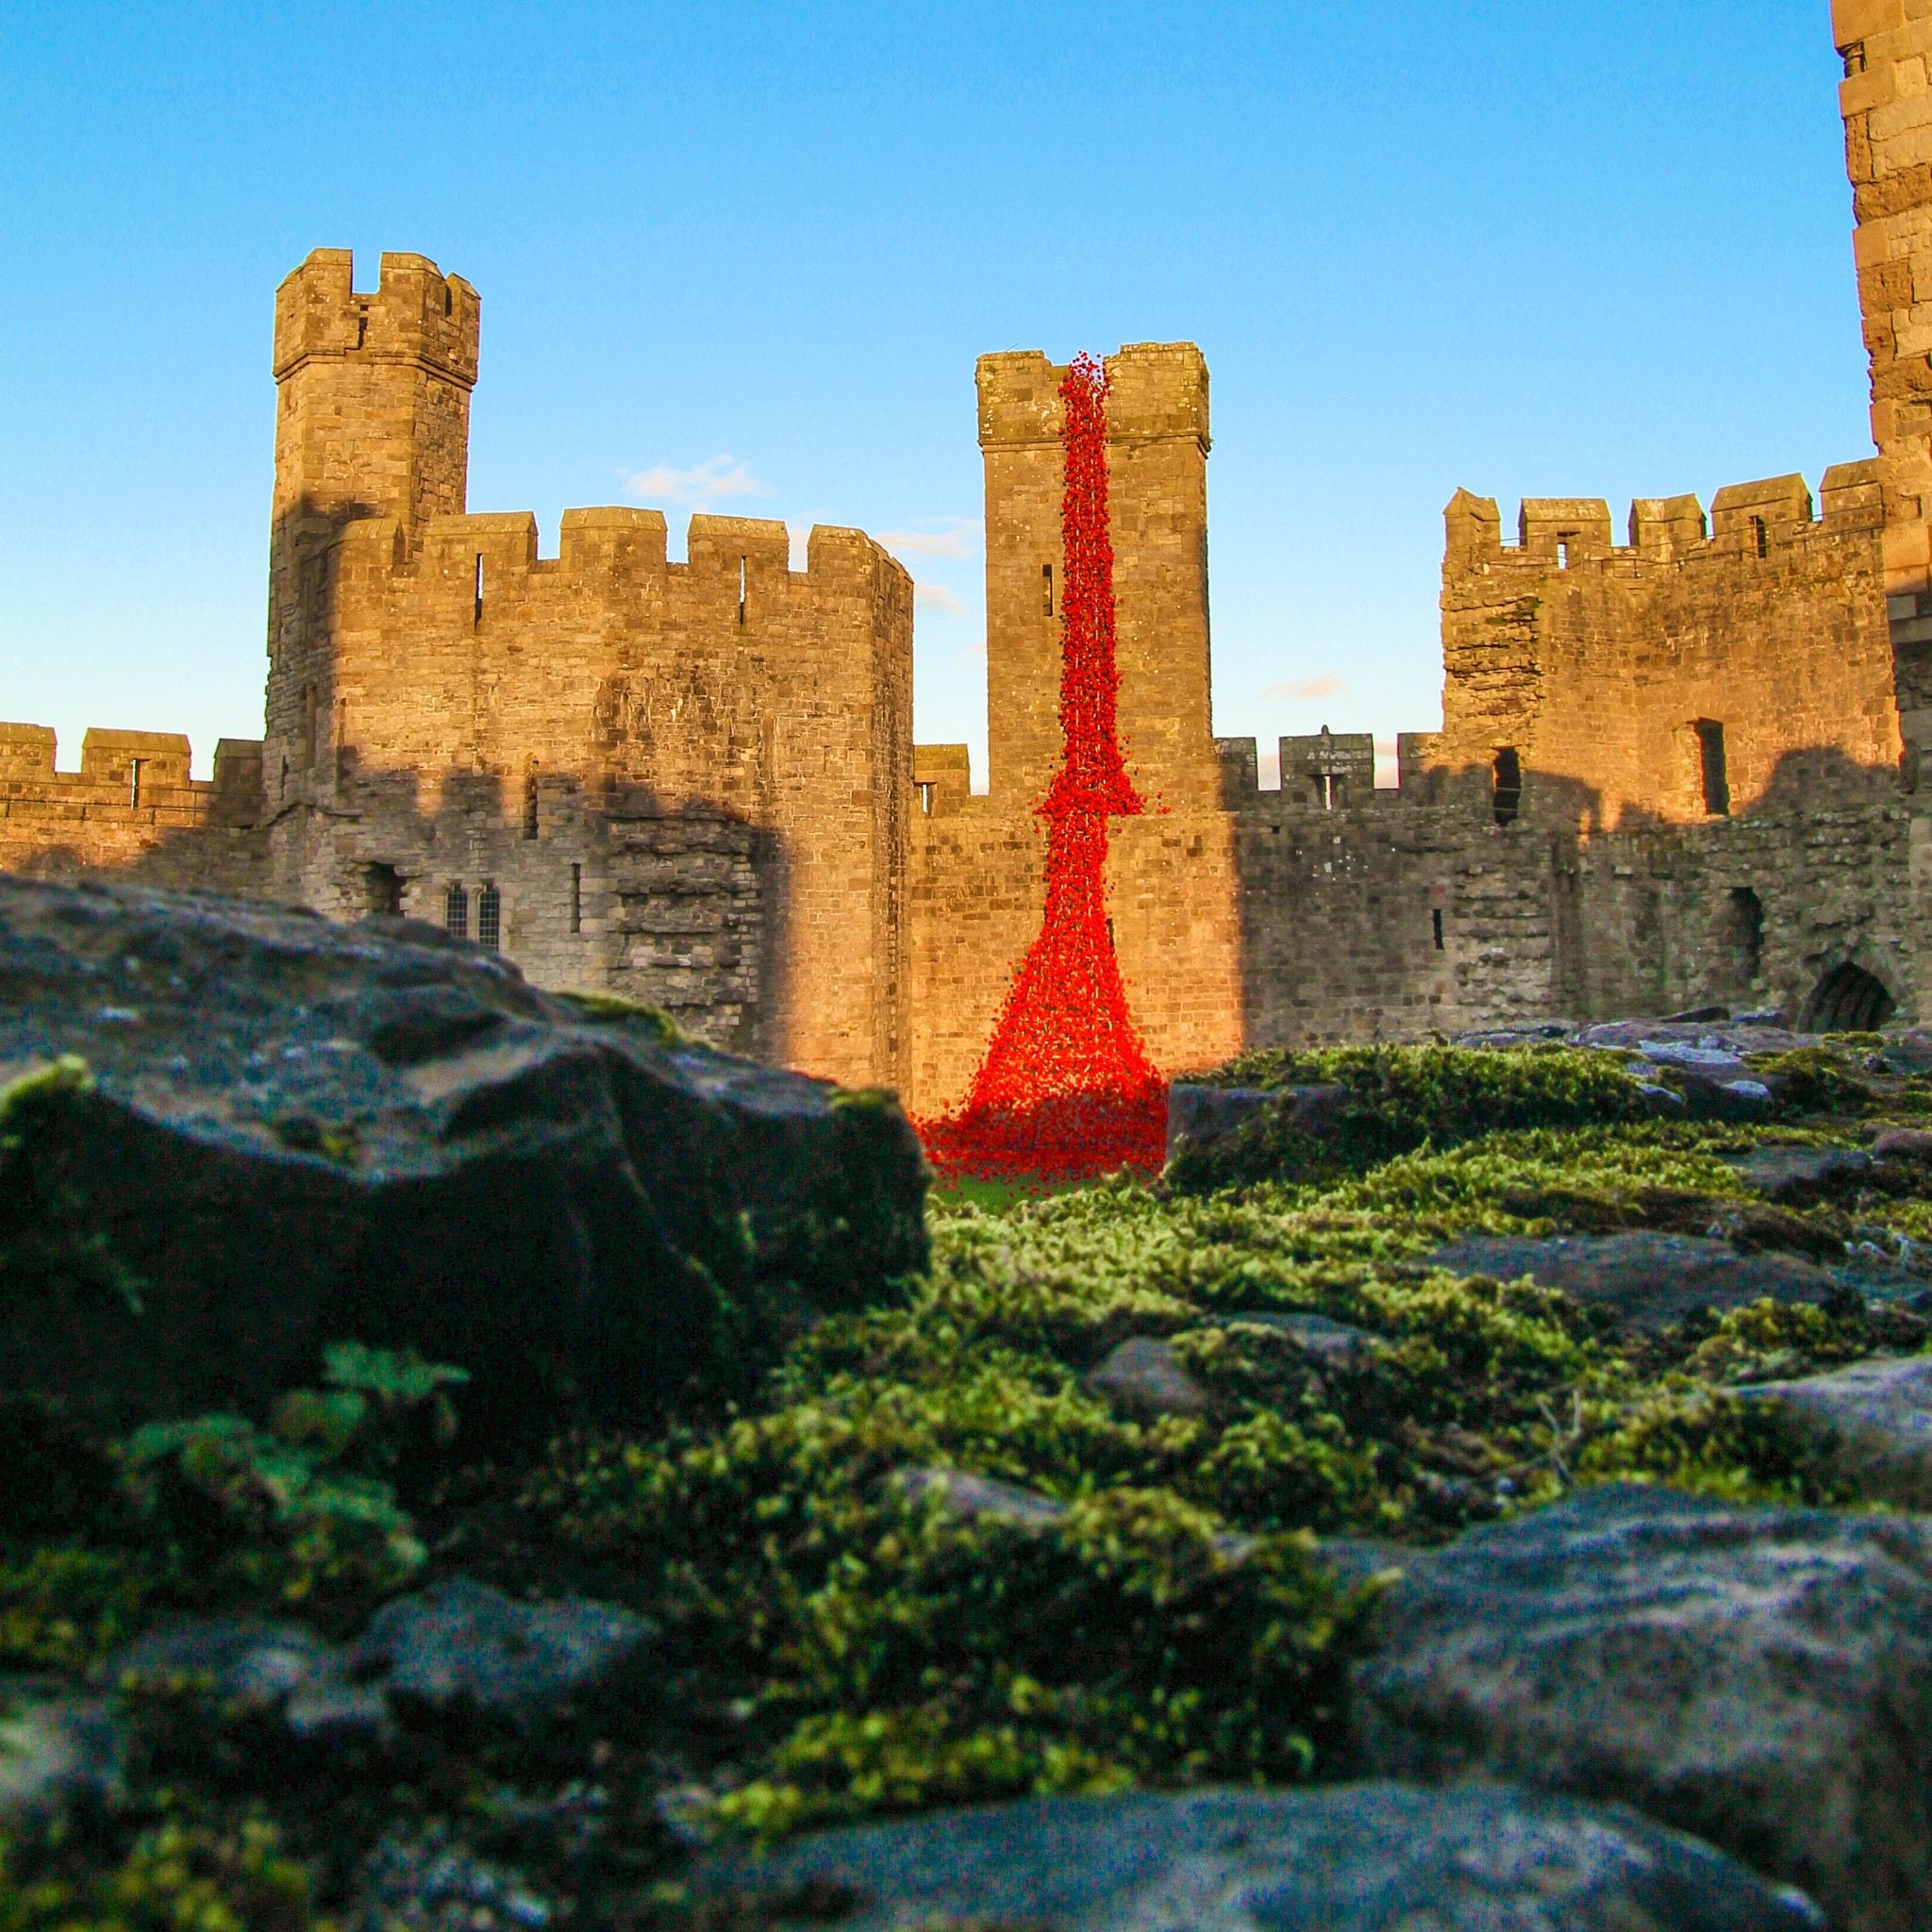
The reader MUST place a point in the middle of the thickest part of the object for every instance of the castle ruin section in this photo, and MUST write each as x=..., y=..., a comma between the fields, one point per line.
x=688, y=783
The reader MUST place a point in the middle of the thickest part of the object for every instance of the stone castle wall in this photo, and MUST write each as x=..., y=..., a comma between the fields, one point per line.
x=1677, y=771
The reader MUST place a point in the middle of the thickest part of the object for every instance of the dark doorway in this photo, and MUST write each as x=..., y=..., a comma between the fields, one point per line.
x=383, y=891
x=1848, y=1000
x=1743, y=938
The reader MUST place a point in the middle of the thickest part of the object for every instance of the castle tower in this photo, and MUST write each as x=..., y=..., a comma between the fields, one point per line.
x=1157, y=449
x=1885, y=46
x=372, y=419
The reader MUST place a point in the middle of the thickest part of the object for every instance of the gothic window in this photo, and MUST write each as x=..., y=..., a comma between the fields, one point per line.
x=456, y=913
x=530, y=805
x=489, y=918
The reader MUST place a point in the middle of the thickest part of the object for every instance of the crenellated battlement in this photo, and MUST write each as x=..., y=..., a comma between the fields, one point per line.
x=1155, y=391
x=416, y=313
x=608, y=553
x=127, y=777
x=1760, y=520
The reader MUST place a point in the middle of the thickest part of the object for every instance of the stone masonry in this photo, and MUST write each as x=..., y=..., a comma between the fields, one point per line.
x=1676, y=771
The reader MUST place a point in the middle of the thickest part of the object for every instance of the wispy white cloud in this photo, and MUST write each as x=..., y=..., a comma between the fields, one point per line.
x=715, y=477
x=936, y=597
x=949, y=537
x=977, y=650
x=1328, y=683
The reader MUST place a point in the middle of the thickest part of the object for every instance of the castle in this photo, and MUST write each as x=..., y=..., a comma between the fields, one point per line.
x=1679, y=770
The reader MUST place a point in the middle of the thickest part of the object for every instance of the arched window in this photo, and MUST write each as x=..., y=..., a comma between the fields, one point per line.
x=456, y=913
x=489, y=918
x=530, y=805
x=1848, y=1000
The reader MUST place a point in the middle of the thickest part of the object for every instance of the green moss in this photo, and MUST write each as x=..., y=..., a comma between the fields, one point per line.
x=1399, y=1098
x=612, y=1009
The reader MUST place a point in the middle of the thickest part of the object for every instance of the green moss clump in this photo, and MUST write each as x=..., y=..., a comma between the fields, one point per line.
x=612, y=1009
x=181, y=1875
x=1819, y=1079
x=1397, y=1099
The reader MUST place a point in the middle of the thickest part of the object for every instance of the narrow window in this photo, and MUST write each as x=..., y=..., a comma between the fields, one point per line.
x=1109, y=936
x=1506, y=780
x=1046, y=589
x=489, y=918
x=478, y=618
x=133, y=781
x=361, y=330
x=926, y=799
x=1761, y=536
x=741, y=594
x=1328, y=791
x=285, y=779
x=1710, y=749
x=530, y=805
x=449, y=299
x=1562, y=553
x=1436, y=915
x=576, y=898
x=456, y=913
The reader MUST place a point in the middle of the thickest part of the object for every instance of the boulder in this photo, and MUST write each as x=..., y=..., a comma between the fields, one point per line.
x=1650, y=1281
x=1873, y=1420
x=1760, y=1676
x=297, y=1132
x=1798, y=1175
x=1335, y=1344
x=462, y=1638
x=1144, y=1376
x=1904, y=1143
x=1203, y=1117
x=1367, y=1858
x=58, y=1753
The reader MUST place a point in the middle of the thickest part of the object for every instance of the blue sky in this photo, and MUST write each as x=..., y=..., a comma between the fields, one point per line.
x=742, y=258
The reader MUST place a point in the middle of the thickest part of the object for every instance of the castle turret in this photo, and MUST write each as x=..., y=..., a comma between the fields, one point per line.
x=1156, y=451
x=372, y=419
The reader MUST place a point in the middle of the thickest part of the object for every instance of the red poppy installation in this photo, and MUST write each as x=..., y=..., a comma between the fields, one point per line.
x=1066, y=1086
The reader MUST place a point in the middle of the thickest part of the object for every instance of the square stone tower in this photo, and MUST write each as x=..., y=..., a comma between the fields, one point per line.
x=1157, y=451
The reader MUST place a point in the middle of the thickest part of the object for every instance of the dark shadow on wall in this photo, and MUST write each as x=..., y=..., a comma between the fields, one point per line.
x=617, y=888
x=1420, y=911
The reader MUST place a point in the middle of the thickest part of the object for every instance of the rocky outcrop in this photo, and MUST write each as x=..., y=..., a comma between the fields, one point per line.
x=294, y=1132
x=1872, y=1420
x=1355, y=1858
x=1648, y=1281
x=1761, y=1677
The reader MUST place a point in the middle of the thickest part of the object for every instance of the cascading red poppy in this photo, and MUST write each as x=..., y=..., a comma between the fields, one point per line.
x=1066, y=1088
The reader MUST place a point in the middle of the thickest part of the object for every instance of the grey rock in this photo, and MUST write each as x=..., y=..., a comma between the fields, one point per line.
x=1904, y=1143
x=460, y=1638
x=1373, y=1857
x=1797, y=1174
x=1145, y=1376
x=321, y=1132
x=970, y=1497
x=1874, y=1419
x=1651, y=1281
x=259, y=1663
x=1201, y=1117
x=423, y=1880
x=1760, y=1676
x=58, y=1752
x=1333, y=1343
x=983, y=1498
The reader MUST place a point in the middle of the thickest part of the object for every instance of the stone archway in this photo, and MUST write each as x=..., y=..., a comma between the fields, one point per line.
x=1848, y=1000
